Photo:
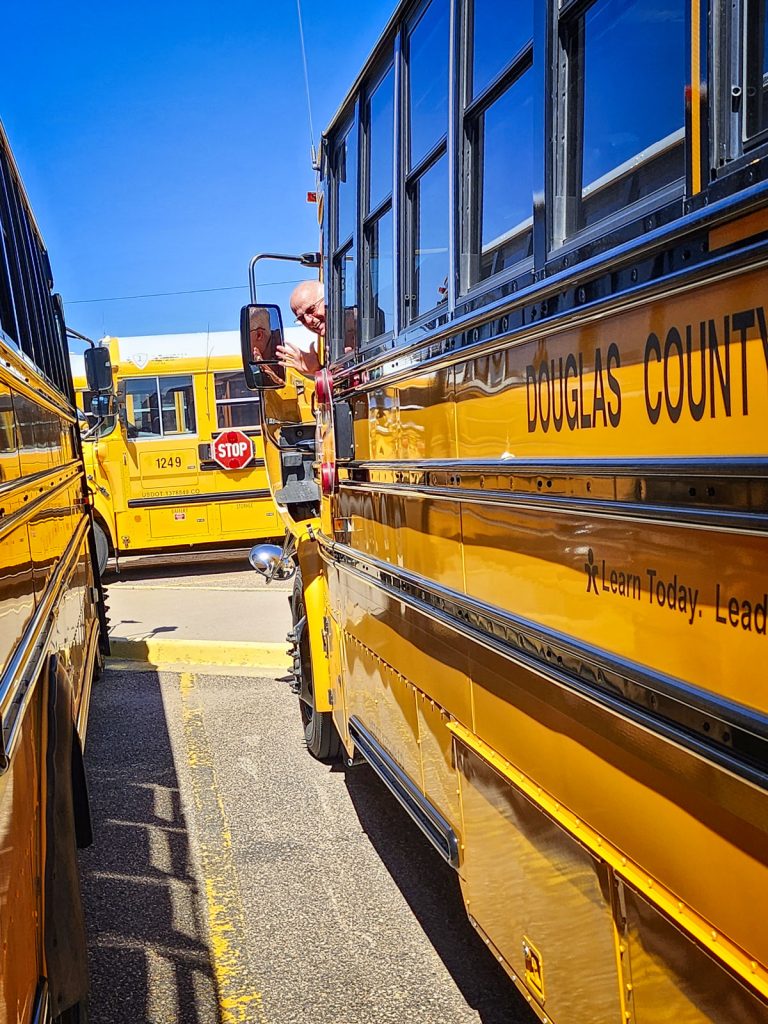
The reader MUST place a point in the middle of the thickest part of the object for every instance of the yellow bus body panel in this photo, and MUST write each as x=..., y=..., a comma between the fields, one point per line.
x=560, y=800
x=158, y=493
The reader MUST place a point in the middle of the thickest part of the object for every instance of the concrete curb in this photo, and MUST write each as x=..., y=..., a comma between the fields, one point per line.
x=229, y=654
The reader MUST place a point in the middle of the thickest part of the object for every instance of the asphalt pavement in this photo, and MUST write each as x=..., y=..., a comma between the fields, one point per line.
x=236, y=880
x=203, y=602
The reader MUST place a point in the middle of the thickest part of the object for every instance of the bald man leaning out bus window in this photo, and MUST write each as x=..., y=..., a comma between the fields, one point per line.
x=308, y=305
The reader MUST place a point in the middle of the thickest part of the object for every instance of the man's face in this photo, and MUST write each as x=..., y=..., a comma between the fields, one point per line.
x=311, y=315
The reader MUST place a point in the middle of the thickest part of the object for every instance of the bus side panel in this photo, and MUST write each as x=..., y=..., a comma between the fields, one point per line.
x=16, y=589
x=249, y=519
x=411, y=421
x=672, y=378
x=636, y=789
x=657, y=593
x=21, y=870
x=399, y=692
x=673, y=980
x=518, y=864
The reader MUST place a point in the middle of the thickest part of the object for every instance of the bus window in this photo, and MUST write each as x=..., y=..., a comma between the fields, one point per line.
x=344, y=263
x=7, y=316
x=236, y=406
x=146, y=398
x=378, y=301
x=142, y=409
x=496, y=41
x=498, y=127
x=177, y=401
x=756, y=37
x=626, y=140
x=427, y=178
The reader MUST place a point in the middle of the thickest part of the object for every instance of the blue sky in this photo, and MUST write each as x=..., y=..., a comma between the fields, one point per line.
x=162, y=144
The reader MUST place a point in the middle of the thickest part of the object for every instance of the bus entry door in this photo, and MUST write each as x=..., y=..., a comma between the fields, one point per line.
x=162, y=467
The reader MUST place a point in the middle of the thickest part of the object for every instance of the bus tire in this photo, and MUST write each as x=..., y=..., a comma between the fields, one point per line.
x=102, y=547
x=320, y=732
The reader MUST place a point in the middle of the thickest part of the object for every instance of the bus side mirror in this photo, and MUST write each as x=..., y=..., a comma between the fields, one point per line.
x=261, y=331
x=98, y=369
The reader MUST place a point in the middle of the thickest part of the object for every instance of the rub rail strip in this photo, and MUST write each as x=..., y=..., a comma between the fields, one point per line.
x=422, y=811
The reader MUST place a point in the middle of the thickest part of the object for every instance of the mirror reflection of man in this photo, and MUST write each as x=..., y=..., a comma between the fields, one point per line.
x=308, y=305
x=260, y=333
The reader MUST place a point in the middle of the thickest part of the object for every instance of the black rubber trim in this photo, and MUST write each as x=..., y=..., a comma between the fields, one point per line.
x=179, y=500
x=424, y=813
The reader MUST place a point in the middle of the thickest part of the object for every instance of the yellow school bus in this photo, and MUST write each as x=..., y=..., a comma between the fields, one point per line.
x=532, y=586
x=52, y=634
x=155, y=482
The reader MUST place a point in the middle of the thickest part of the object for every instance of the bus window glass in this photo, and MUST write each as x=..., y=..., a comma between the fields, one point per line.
x=429, y=268
x=349, y=300
x=506, y=129
x=378, y=256
x=428, y=48
x=346, y=181
x=380, y=141
x=497, y=223
x=497, y=39
x=9, y=449
x=236, y=406
x=632, y=136
x=7, y=318
x=177, y=401
x=756, y=67
x=142, y=409
x=381, y=281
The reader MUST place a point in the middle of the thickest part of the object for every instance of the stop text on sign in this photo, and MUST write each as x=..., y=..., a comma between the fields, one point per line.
x=232, y=450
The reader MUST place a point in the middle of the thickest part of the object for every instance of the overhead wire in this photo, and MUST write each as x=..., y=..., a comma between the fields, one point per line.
x=190, y=291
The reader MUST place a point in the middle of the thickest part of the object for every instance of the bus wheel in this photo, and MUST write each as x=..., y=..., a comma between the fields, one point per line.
x=102, y=548
x=319, y=730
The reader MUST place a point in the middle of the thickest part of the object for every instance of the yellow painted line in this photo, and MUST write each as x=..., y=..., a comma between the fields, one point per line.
x=160, y=651
x=240, y=1001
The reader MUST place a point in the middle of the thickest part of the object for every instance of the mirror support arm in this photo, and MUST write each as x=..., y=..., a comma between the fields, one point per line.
x=306, y=259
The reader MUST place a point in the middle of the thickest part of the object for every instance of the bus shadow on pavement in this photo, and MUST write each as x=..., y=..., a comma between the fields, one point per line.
x=149, y=958
x=431, y=889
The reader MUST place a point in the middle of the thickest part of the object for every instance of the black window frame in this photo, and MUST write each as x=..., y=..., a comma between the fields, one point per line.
x=371, y=217
x=27, y=283
x=565, y=128
x=472, y=110
x=411, y=179
x=341, y=247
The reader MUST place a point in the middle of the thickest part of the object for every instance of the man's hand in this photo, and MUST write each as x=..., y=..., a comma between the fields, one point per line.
x=292, y=356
